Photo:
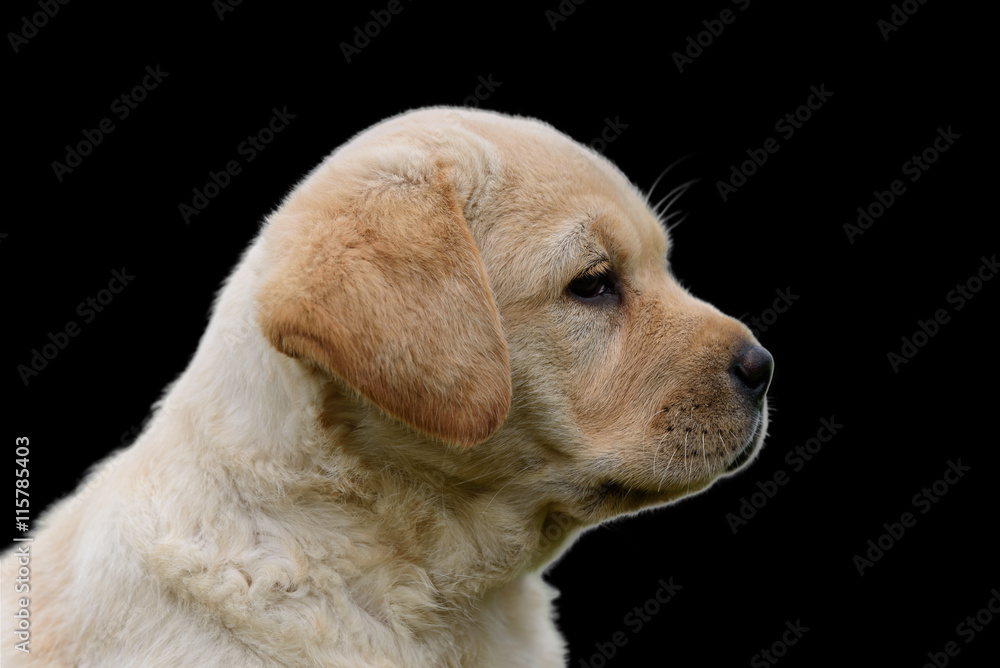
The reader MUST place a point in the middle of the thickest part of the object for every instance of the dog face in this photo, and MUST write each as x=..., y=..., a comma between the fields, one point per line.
x=490, y=306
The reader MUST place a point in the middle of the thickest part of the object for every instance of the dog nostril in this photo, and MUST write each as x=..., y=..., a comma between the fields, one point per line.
x=753, y=367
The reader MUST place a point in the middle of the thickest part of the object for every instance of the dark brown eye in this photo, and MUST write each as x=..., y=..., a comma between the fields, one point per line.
x=593, y=286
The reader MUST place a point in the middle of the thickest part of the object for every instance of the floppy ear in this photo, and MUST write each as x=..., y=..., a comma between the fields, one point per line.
x=379, y=282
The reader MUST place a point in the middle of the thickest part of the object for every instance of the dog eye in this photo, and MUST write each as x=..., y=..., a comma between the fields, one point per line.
x=593, y=285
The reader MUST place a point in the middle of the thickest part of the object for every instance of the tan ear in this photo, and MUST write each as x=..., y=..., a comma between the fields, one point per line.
x=380, y=283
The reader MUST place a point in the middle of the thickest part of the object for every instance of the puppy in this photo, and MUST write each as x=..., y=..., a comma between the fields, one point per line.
x=456, y=345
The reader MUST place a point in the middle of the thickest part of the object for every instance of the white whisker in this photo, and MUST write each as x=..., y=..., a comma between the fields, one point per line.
x=666, y=470
x=671, y=197
x=652, y=188
x=688, y=468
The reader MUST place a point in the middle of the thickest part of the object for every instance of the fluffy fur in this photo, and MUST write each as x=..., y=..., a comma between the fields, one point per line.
x=397, y=416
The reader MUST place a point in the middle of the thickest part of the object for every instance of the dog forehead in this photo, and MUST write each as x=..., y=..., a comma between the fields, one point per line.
x=542, y=176
x=519, y=150
x=531, y=186
x=568, y=201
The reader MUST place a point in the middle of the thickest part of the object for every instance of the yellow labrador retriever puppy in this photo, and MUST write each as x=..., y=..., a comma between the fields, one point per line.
x=455, y=345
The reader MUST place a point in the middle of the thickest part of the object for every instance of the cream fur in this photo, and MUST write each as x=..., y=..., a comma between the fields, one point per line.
x=396, y=418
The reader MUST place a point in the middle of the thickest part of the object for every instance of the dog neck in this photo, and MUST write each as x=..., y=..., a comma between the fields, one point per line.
x=319, y=482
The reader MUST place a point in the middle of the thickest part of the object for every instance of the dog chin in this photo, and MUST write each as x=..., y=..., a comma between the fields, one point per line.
x=613, y=498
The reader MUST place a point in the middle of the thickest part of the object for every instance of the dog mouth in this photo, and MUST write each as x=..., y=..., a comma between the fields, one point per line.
x=609, y=496
x=746, y=451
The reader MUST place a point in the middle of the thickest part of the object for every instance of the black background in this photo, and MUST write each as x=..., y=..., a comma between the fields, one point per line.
x=782, y=230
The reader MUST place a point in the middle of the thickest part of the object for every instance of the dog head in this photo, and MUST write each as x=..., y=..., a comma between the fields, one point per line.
x=491, y=301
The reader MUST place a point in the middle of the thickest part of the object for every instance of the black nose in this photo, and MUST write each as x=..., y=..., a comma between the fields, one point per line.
x=752, y=368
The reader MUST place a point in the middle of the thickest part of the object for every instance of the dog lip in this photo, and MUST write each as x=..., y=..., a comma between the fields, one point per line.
x=747, y=449
x=615, y=492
